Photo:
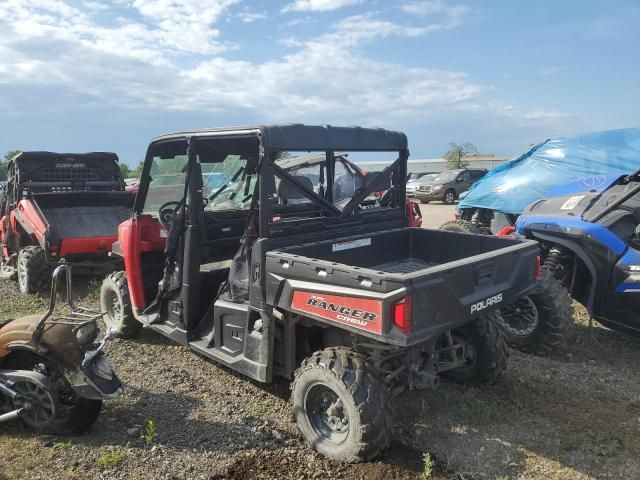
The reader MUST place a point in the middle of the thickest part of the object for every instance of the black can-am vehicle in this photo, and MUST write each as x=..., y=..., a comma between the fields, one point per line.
x=272, y=275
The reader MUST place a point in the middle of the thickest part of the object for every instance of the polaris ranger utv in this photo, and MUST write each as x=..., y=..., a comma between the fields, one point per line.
x=60, y=207
x=273, y=277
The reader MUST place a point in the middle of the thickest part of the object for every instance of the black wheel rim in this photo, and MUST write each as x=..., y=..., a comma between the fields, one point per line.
x=326, y=413
x=469, y=353
x=67, y=398
x=520, y=318
x=22, y=273
x=114, y=308
x=38, y=403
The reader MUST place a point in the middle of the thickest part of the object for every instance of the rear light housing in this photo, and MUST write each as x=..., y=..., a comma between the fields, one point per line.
x=506, y=232
x=401, y=314
x=538, y=269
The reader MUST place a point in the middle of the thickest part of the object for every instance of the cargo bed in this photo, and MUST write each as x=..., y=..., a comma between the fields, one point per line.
x=449, y=278
x=82, y=222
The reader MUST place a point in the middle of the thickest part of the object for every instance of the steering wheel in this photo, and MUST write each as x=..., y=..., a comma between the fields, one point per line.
x=166, y=212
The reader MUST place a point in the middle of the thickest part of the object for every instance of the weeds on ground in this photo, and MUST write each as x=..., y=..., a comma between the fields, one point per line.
x=65, y=445
x=427, y=466
x=149, y=431
x=112, y=459
x=260, y=409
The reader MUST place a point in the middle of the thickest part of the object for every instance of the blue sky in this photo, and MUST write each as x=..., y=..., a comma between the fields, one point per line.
x=79, y=75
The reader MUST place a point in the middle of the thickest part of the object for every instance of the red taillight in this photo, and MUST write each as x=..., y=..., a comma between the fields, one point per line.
x=538, y=270
x=506, y=232
x=402, y=315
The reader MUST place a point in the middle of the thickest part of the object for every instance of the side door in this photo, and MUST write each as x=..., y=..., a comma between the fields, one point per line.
x=463, y=182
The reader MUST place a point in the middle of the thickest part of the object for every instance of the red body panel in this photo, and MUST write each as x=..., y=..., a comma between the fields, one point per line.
x=68, y=246
x=85, y=245
x=138, y=235
x=361, y=313
x=32, y=218
x=414, y=215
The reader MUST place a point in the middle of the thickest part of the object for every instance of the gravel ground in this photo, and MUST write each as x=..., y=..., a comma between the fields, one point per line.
x=574, y=415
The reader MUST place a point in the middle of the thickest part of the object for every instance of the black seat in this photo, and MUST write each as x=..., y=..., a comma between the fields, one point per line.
x=288, y=194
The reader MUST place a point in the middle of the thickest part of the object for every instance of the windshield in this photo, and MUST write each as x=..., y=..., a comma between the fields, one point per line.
x=427, y=177
x=225, y=185
x=446, y=177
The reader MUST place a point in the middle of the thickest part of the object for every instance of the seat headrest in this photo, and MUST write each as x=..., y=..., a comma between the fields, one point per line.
x=286, y=191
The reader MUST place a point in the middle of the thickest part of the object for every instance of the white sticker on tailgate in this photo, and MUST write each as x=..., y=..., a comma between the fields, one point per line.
x=571, y=203
x=363, y=242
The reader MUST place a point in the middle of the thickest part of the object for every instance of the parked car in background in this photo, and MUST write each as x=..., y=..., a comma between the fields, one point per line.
x=448, y=185
x=131, y=184
x=415, y=179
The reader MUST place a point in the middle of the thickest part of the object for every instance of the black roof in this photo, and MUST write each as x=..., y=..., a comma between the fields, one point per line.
x=34, y=157
x=298, y=137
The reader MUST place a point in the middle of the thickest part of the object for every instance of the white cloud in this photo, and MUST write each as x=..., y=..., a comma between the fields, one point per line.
x=173, y=59
x=551, y=71
x=318, y=5
x=250, y=17
x=453, y=14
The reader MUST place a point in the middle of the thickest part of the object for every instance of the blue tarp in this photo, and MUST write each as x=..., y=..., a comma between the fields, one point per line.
x=558, y=166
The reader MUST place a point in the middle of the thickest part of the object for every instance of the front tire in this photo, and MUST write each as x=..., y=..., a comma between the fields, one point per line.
x=33, y=271
x=485, y=352
x=449, y=197
x=537, y=323
x=115, y=300
x=75, y=414
x=340, y=406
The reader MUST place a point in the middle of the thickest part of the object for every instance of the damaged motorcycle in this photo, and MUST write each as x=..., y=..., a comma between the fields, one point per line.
x=53, y=373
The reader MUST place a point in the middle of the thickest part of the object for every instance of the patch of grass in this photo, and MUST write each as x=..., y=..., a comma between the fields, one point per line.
x=427, y=466
x=110, y=460
x=475, y=408
x=569, y=443
x=149, y=431
x=260, y=409
x=65, y=445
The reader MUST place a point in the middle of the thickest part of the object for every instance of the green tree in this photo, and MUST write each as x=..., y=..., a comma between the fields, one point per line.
x=3, y=163
x=456, y=154
x=137, y=173
x=125, y=170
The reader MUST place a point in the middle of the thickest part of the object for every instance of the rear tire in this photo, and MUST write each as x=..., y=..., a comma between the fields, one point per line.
x=115, y=300
x=76, y=414
x=449, y=197
x=537, y=323
x=464, y=226
x=341, y=406
x=485, y=351
x=33, y=271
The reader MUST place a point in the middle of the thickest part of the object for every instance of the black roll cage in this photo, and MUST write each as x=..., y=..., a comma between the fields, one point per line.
x=267, y=168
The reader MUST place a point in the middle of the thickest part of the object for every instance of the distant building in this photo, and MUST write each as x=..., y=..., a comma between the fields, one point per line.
x=435, y=164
